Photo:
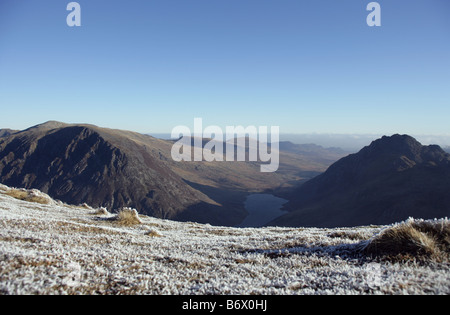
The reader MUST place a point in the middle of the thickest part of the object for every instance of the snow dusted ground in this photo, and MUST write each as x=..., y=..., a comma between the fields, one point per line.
x=61, y=249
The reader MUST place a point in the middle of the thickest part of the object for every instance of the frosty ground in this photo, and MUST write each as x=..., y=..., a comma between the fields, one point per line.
x=60, y=249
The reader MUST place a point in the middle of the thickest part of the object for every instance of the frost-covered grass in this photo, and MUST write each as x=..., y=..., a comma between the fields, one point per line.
x=128, y=216
x=59, y=249
x=427, y=240
x=32, y=195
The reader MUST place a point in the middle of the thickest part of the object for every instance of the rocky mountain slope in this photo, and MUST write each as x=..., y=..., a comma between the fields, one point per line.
x=86, y=164
x=388, y=181
x=7, y=132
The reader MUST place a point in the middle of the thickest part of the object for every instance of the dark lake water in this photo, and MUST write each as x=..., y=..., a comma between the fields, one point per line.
x=262, y=209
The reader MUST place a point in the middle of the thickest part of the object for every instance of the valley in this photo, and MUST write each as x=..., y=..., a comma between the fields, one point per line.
x=391, y=179
x=115, y=168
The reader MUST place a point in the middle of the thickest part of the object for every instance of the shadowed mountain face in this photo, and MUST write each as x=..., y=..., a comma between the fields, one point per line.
x=390, y=180
x=6, y=132
x=114, y=168
x=80, y=164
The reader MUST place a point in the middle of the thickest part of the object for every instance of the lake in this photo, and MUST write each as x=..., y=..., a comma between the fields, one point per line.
x=262, y=209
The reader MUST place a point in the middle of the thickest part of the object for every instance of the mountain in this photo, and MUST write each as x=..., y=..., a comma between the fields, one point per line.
x=388, y=181
x=100, y=167
x=6, y=132
x=80, y=163
x=314, y=151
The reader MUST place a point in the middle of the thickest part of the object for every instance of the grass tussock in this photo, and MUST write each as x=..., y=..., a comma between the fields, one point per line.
x=153, y=233
x=85, y=206
x=413, y=238
x=128, y=216
x=351, y=235
x=32, y=195
x=101, y=211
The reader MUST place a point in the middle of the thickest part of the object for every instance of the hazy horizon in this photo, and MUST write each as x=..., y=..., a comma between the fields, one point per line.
x=347, y=142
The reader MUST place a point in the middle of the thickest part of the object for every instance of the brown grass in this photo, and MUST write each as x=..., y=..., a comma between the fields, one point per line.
x=351, y=235
x=153, y=233
x=29, y=195
x=128, y=216
x=3, y=187
x=413, y=238
x=101, y=211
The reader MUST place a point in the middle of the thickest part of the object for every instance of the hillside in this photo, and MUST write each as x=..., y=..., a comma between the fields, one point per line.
x=388, y=181
x=6, y=132
x=87, y=164
x=48, y=247
x=79, y=163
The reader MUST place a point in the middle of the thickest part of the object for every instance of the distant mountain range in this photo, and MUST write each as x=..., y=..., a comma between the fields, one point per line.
x=354, y=142
x=388, y=181
x=78, y=163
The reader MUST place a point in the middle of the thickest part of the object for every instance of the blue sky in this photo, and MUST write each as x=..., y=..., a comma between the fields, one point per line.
x=150, y=65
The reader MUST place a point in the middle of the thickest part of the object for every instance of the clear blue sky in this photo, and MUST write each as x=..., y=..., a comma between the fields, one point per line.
x=150, y=65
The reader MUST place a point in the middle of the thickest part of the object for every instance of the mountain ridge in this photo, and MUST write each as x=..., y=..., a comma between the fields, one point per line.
x=389, y=180
x=87, y=164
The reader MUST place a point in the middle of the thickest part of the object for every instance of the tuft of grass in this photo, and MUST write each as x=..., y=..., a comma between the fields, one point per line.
x=153, y=233
x=128, y=216
x=3, y=188
x=413, y=238
x=351, y=235
x=101, y=211
x=32, y=195
x=85, y=206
